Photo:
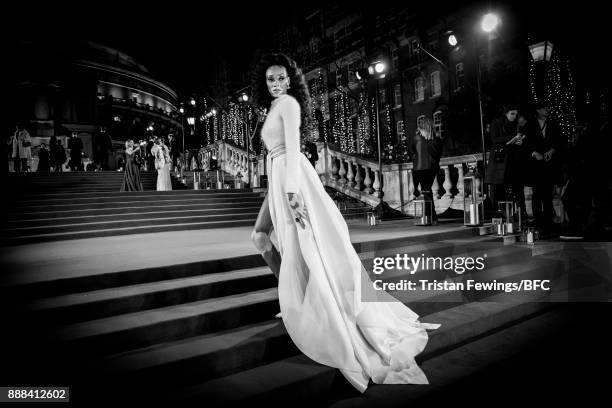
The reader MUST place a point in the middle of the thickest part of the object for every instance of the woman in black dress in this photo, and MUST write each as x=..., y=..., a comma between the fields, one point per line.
x=503, y=163
x=131, y=179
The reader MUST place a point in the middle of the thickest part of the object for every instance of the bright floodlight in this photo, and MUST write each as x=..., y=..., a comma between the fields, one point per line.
x=214, y=111
x=192, y=102
x=379, y=67
x=181, y=110
x=452, y=40
x=489, y=22
x=244, y=97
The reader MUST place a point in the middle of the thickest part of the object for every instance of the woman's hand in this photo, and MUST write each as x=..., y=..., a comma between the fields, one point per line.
x=548, y=154
x=297, y=207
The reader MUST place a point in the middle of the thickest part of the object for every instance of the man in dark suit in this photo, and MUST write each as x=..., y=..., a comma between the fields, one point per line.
x=546, y=150
x=310, y=151
x=75, y=144
x=150, y=160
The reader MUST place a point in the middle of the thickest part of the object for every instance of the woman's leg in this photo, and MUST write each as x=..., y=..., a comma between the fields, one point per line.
x=428, y=180
x=261, y=238
x=417, y=178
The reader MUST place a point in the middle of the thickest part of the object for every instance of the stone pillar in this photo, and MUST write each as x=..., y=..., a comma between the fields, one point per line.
x=367, y=181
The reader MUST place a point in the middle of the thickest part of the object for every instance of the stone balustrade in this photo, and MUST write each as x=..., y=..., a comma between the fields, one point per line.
x=360, y=178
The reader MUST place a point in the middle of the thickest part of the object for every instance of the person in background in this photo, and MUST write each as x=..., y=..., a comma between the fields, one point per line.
x=131, y=178
x=310, y=151
x=426, y=152
x=43, y=159
x=162, y=163
x=24, y=148
x=546, y=150
x=60, y=156
x=13, y=150
x=75, y=144
x=502, y=164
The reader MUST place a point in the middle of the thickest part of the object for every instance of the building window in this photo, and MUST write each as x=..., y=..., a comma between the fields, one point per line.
x=399, y=127
x=397, y=95
x=420, y=121
x=460, y=75
x=314, y=45
x=419, y=92
x=435, y=84
x=135, y=97
x=437, y=123
x=395, y=58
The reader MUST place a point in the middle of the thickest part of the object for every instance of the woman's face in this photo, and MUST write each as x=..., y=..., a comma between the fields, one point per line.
x=277, y=80
x=511, y=115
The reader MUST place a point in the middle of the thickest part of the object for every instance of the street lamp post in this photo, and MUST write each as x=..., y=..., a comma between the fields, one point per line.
x=482, y=138
x=377, y=70
x=191, y=122
x=379, y=143
x=244, y=98
x=182, y=111
x=488, y=24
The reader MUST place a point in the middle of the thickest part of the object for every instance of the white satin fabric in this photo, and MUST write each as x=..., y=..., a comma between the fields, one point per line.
x=322, y=286
x=162, y=164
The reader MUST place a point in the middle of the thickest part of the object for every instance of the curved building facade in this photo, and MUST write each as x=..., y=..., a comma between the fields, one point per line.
x=60, y=88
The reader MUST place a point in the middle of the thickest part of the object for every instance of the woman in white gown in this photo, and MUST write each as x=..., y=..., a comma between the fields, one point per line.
x=327, y=301
x=162, y=163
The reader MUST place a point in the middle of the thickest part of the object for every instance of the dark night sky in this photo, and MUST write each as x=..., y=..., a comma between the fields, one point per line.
x=179, y=41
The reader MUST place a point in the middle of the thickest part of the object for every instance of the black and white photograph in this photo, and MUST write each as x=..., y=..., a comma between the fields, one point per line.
x=306, y=204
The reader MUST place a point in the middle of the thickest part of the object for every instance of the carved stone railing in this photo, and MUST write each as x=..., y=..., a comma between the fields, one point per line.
x=233, y=160
x=360, y=178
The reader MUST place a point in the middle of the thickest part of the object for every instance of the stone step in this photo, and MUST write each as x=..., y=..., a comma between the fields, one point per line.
x=47, y=286
x=298, y=378
x=133, y=330
x=148, y=220
x=195, y=355
x=135, y=196
x=96, y=233
x=127, y=203
x=93, y=304
x=145, y=214
x=147, y=207
x=182, y=320
x=47, y=195
x=145, y=296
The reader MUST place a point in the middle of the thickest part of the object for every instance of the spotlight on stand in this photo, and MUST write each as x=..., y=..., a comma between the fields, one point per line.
x=377, y=69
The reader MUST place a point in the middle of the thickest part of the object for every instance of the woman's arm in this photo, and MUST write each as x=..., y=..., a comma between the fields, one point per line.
x=498, y=134
x=291, y=117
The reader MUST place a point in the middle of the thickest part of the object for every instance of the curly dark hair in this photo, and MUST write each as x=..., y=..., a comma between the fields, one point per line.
x=298, y=89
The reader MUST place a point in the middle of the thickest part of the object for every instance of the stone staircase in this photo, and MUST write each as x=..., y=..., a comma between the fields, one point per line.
x=48, y=216
x=350, y=207
x=72, y=205
x=204, y=333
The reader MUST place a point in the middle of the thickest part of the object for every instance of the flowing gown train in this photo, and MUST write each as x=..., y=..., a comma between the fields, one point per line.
x=328, y=304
